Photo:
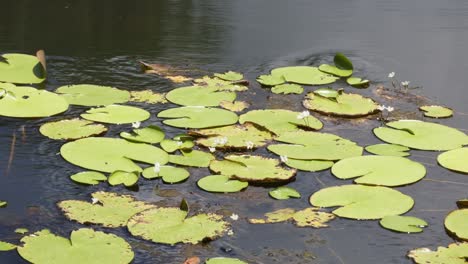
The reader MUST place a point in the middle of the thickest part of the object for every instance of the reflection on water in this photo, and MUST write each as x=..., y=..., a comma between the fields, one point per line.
x=102, y=41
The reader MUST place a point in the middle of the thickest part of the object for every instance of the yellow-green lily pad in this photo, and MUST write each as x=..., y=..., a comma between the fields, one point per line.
x=192, y=158
x=198, y=117
x=149, y=134
x=199, y=96
x=289, y=88
x=171, y=145
x=284, y=193
x=116, y=114
x=222, y=260
x=436, y=111
x=168, y=174
x=388, y=150
x=455, y=160
x=93, y=95
x=5, y=246
x=230, y=76
x=270, y=80
x=304, y=75
x=221, y=184
x=309, y=165
x=309, y=217
x=21, y=68
x=357, y=82
x=123, y=177
x=236, y=106
x=342, y=68
x=345, y=104
x=147, y=96
x=88, y=177
x=456, y=223
x=453, y=254
x=71, y=129
x=404, y=224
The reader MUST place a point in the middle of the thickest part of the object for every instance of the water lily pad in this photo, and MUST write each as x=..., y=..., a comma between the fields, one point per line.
x=388, y=150
x=170, y=145
x=345, y=104
x=230, y=76
x=168, y=174
x=221, y=260
x=288, y=88
x=21, y=231
x=356, y=81
x=342, y=68
x=109, y=209
x=5, y=246
x=422, y=135
x=149, y=134
x=147, y=96
x=306, y=145
x=436, y=111
x=24, y=102
x=71, y=129
x=171, y=226
x=221, y=184
x=21, y=68
x=309, y=217
x=309, y=165
x=456, y=223
x=304, y=75
x=454, y=254
x=221, y=85
x=123, y=177
x=270, y=80
x=88, y=177
x=93, y=95
x=379, y=170
x=327, y=93
x=284, y=193
x=198, y=117
x=3, y=203
x=111, y=154
x=454, y=160
x=404, y=224
x=192, y=158
x=279, y=121
x=245, y=136
x=85, y=246
x=252, y=168
x=199, y=96
x=237, y=106
x=116, y=114
x=363, y=202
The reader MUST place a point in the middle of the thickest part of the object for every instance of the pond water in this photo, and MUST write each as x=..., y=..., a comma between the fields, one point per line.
x=101, y=42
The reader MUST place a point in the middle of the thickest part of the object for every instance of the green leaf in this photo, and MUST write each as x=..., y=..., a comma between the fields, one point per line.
x=199, y=96
x=456, y=223
x=108, y=210
x=363, y=202
x=327, y=93
x=85, y=246
x=111, y=154
x=347, y=105
x=404, y=224
x=357, y=82
x=421, y=135
x=150, y=134
x=379, y=170
x=220, y=84
x=21, y=68
x=71, y=129
x=192, y=158
x=221, y=260
x=170, y=145
x=198, y=117
x=309, y=217
x=252, y=169
x=89, y=177
x=436, y=111
x=116, y=114
x=3, y=203
x=168, y=174
x=93, y=95
x=287, y=89
x=237, y=106
x=221, y=184
x=284, y=193
x=147, y=96
x=343, y=66
x=388, y=150
x=303, y=75
x=309, y=165
x=454, y=254
x=230, y=76
x=21, y=231
x=5, y=246
x=123, y=177
x=171, y=226
x=270, y=80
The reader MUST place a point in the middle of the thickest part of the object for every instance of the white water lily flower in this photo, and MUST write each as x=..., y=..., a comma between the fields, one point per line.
x=390, y=109
x=381, y=107
x=94, y=200
x=212, y=149
x=284, y=159
x=234, y=217
x=405, y=83
x=230, y=232
x=303, y=115
x=249, y=144
x=157, y=167
x=136, y=124
x=391, y=75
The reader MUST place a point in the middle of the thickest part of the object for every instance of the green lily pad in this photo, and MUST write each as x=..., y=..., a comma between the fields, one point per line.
x=168, y=174
x=116, y=114
x=150, y=134
x=421, y=135
x=108, y=209
x=363, y=202
x=342, y=68
x=3, y=203
x=88, y=177
x=221, y=85
x=21, y=231
x=170, y=145
x=279, y=121
x=221, y=184
x=230, y=76
x=21, y=68
x=284, y=193
x=237, y=106
x=436, y=111
x=192, y=158
x=198, y=117
x=388, y=150
x=404, y=224
x=456, y=223
x=147, y=96
x=221, y=260
x=356, y=81
x=71, y=129
x=270, y=80
x=304, y=75
x=85, y=246
x=347, y=105
x=93, y=95
x=379, y=170
x=245, y=136
x=5, y=246
x=288, y=88
x=309, y=165
x=171, y=226
x=123, y=177
x=199, y=96
x=327, y=93
x=306, y=145
x=24, y=102
x=111, y=154
x=252, y=168
x=309, y=217
x=454, y=254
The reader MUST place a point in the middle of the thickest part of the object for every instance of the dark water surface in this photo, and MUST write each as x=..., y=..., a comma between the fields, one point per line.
x=101, y=42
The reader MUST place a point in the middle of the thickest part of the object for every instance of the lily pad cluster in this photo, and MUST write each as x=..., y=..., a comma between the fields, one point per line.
x=309, y=217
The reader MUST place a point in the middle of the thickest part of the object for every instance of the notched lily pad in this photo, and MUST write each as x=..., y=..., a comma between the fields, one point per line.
x=168, y=174
x=71, y=129
x=327, y=93
x=198, y=117
x=453, y=254
x=123, y=177
x=199, y=96
x=171, y=145
x=21, y=68
x=284, y=193
x=5, y=246
x=345, y=104
x=436, y=111
x=236, y=106
x=455, y=160
x=404, y=224
x=304, y=75
x=309, y=217
x=149, y=134
x=192, y=158
x=270, y=80
x=222, y=85
x=88, y=177
x=116, y=114
x=342, y=68
x=357, y=82
x=287, y=89
x=222, y=260
x=230, y=76
x=147, y=96
x=309, y=165
x=456, y=223
x=93, y=95
x=221, y=184
x=388, y=150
